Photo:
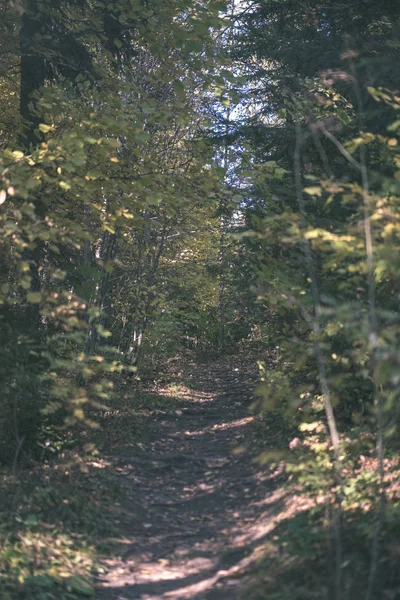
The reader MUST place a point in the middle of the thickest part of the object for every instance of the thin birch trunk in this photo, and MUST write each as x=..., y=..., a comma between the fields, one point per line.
x=320, y=359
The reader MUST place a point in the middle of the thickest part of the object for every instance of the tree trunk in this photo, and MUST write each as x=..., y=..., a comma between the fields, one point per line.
x=26, y=396
x=32, y=79
x=221, y=298
x=221, y=253
x=32, y=74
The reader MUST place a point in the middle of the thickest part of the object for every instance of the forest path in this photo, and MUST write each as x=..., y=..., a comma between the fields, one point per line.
x=198, y=506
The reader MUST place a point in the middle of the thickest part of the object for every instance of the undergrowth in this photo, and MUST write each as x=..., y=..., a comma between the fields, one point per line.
x=61, y=517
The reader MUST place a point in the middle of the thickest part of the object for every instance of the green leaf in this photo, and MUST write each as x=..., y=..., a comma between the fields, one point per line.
x=395, y=125
x=31, y=520
x=78, y=160
x=179, y=88
x=220, y=171
x=194, y=46
x=103, y=332
x=78, y=585
x=34, y=297
x=93, y=174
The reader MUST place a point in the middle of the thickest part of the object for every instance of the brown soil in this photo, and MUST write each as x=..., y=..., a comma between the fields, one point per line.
x=199, y=506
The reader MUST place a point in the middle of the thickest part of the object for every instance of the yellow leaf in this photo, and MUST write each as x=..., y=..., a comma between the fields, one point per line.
x=98, y=358
x=313, y=190
x=45, y=128
x=312, y=234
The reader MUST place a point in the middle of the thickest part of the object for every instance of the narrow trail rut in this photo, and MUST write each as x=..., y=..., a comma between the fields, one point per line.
x=198, y=505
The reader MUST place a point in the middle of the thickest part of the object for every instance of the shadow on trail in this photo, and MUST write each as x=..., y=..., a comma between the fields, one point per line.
x=199, y=505
x=175, y=506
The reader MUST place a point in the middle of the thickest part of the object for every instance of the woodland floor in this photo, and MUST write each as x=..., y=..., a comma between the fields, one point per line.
x=169, y=501
x=198, y=507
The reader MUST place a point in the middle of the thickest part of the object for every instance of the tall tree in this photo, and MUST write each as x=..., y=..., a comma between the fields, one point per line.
x=107, y=146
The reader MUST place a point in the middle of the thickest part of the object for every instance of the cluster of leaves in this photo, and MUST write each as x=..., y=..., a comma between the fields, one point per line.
x=322, y=215
x=104, y=177
x=54, y=530
x=101, y=165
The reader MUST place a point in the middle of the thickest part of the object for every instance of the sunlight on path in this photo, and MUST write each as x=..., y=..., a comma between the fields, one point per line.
x=206, y=504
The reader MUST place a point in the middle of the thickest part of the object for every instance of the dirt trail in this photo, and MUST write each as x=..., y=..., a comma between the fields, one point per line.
x=199, y=506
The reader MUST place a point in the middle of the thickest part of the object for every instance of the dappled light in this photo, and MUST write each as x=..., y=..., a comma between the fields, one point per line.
x=199, y=300
x=205, y=518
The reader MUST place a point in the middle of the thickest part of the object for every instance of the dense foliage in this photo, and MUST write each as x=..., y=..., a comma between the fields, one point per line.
x=102, y=172
x=323, y=228
x=188, y=180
